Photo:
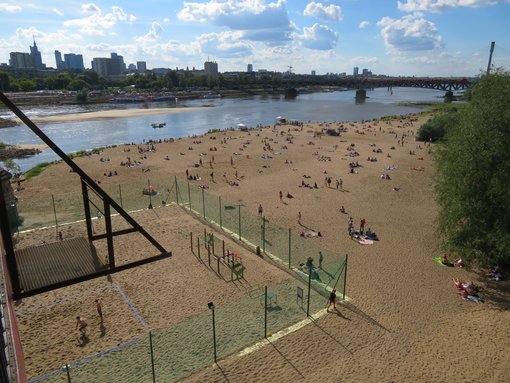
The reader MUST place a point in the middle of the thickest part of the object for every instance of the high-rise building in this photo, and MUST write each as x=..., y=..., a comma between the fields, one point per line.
x=58, y=60
x=355, y=71
x=314, y=73
x=73, y=61
x=21, y=60
x=250, y=68
x=109, y=67
x=211, y=68
x=36, y=57
x=141, y=66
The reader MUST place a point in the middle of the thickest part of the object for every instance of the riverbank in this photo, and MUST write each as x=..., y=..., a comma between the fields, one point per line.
x=404, y=321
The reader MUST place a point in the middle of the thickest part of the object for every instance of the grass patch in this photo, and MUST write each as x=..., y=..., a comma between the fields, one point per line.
x=36, y=170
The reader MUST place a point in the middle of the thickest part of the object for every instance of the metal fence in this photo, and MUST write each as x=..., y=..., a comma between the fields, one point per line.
x=177, y=351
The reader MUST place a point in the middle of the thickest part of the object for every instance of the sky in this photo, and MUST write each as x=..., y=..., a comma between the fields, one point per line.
x=396, y=38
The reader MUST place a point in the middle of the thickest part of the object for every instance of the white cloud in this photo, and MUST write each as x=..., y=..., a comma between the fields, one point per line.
x=4, y=7
x=409, y=33
x=224, y=45
x=364, y=24
x=259, y=21
x=97, y=22
x=319, y=10
x=320, y=37
x=153, y=34
x=441, y=5
x=57, y=11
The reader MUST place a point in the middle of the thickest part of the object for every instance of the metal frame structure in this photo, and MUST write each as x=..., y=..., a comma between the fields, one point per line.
x=87, y=185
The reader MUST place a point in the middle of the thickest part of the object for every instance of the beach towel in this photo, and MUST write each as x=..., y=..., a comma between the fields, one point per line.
x=365, y=241
x=390, y=168
x=438, y=260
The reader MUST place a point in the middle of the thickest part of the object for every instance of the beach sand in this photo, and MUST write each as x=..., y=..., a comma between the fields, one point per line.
x=109, y=114
x=403, y=322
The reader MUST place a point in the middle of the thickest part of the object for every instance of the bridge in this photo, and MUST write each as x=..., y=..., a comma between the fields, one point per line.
x=447, y=84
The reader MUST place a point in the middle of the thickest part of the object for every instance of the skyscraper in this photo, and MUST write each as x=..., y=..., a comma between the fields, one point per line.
x=21, y=60
x=250, y=68
x=73, y=61
x=355, y=71
x=211, y=68
x=141, y=67
x=36, y=57
x=58, y=60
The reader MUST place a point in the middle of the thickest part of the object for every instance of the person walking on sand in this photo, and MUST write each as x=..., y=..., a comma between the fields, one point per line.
x=99, y=308
x=299, y=218
x=321, y=258
x=350, y=224
x=337, y=184
x=341, y=184
x=81, y=324
x=260, y=210
x=212, y=176
x=331, y=300
x=281, y=196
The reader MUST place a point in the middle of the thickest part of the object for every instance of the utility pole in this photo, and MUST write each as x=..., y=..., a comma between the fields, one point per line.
x=490, y=58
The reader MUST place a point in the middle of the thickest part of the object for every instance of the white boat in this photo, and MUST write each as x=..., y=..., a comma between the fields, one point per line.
x=158, y=125
x=280, y=120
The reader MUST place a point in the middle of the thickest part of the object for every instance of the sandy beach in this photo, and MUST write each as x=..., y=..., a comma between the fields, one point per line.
x=109, y=114
x=403, y=322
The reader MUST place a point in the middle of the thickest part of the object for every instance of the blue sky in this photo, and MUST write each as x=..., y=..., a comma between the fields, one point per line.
x=407, y=37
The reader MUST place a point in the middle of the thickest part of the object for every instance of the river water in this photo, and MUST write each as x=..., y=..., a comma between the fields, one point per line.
x=220, y=114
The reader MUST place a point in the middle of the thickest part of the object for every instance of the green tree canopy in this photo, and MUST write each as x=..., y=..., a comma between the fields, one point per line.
x=473, y=183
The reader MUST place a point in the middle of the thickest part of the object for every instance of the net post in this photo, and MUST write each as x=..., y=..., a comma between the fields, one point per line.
x=198, y=246
x=191, y=240
x=68, y=373
x=209, y=254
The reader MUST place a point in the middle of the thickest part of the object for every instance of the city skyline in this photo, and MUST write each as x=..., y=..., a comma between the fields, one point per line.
x=411, y=37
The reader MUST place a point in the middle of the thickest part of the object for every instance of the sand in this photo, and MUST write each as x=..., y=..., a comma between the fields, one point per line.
x=403, y=323
x=109, y=114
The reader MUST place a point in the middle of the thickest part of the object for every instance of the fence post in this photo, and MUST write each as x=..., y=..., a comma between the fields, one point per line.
x=189, y=196
x=203, y=203
x=265, y=311
x=309, y=287
x=209, y=254
x=221, y=222
x=120, y=196
x=212, y=243
x=289, y=246
x=198, y=246
x=239, y=222
x=176, y=191
x=223, y=254
x=263, y=235
x=152, y=358
x=205, y=236
x=55, y=214
x=68, y=373
x=345, y=276
x=191, y=240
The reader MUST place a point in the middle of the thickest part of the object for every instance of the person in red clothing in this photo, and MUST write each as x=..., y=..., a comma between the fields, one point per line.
x=362, y=226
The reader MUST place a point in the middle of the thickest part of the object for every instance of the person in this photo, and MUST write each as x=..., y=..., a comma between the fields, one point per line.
x=299, y=218
x=331, y=300
x=281, y=196
x=362, y=226
x=260, y=210
x=321, y=258
x=81, y=324
x=60, y=236
x=212, y=176
x=459, y=263
x=350, y=226
x=99, y=308
x=342, y=209
x=341, y=184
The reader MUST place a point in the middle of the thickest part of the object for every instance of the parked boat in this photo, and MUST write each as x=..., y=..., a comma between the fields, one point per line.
x=158, y=125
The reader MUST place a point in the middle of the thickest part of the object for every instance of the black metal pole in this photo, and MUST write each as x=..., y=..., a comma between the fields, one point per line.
x=265, y=311
x=68, y=373
x=221, y=222
x=86, y=207
x=309, y=288
x=214, y=334
x=150, y=193
x=152, y=358
x=345, y=276
x=55, y=214
x=176, y=191
x=120, y=196
x=191, y=240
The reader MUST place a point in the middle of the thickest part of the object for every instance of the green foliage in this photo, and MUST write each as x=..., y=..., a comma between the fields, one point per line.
x=82, y=95
x=11, y=166
x=35, y=171
x=77, y=84
x=473, y=186
x=435, y=128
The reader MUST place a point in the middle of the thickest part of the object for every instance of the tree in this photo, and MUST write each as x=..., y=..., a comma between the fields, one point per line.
x=472, y=185
x=435, y=128
x=77, y=84
x=5, y=81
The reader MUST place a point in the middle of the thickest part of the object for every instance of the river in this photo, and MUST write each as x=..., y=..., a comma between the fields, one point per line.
x=222, y=113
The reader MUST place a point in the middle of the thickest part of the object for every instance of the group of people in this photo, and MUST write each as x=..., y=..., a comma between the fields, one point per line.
x=81, y=323
x=468, y=291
